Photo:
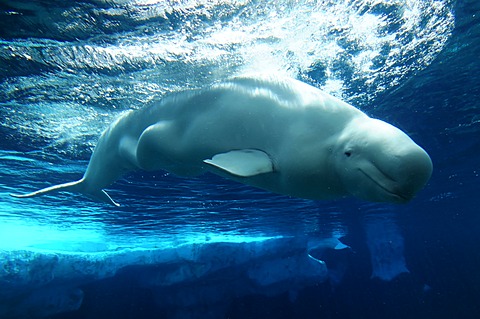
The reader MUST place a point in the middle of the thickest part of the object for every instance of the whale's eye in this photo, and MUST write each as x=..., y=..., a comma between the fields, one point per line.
x=348, y=154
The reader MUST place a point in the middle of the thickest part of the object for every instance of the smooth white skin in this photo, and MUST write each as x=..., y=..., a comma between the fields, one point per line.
x=378, y=162
x=304, y=131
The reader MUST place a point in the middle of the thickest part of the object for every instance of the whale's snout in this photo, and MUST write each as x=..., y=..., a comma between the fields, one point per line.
x=414, y=170
x=398, y=178
x=381, y=163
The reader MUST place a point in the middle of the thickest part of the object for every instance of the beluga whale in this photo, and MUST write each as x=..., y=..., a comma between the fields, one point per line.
x=277, y=134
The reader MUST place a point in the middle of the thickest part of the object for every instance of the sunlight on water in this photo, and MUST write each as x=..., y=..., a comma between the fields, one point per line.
x=353, y=49
x=59, y=92
x=28, y=234
x=20, y=235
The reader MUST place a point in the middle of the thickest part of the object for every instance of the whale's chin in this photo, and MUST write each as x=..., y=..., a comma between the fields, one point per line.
x=387, y=191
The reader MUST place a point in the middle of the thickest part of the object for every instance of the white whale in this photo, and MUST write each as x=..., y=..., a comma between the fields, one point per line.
x=281, y=135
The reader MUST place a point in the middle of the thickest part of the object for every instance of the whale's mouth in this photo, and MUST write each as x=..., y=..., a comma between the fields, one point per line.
x=389, y=190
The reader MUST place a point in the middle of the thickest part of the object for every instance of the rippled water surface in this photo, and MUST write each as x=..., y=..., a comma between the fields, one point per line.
x=69, y=69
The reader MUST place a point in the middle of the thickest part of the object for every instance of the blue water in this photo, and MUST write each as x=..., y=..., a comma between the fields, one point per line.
x=208, y=247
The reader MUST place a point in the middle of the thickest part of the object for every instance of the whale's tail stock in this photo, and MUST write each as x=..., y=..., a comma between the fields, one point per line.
x=73, y=187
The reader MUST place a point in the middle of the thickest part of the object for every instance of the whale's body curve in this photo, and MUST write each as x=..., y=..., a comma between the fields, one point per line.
x=281, y=135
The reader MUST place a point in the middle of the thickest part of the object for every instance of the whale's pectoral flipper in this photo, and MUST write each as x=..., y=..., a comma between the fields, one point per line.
x=244, y=163
x=73, y=187
x=341, y=246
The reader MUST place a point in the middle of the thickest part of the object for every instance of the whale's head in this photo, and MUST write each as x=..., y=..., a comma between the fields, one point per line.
x=376, y=161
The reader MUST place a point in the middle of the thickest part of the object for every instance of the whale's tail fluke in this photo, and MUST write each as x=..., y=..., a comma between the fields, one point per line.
x=73, y=187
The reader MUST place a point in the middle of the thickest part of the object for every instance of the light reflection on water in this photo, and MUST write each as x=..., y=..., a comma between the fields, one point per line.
x=59, y=92
x=155, y=209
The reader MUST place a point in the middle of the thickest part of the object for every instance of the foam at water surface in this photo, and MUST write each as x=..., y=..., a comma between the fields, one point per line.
x=352, y=49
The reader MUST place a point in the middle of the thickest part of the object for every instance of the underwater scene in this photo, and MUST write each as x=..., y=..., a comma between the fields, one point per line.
x=243, y=164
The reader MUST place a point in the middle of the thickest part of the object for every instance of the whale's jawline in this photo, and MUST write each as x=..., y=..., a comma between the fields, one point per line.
x=402, y=198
